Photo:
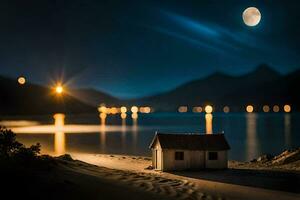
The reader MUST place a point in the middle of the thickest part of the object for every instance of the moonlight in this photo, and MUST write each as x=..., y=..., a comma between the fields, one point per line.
x=251, y=16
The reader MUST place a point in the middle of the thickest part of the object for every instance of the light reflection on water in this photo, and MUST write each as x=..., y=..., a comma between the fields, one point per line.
x=208, y=123
x=249, y=135
x=287, y=129
x=252, y=147
x=59, y=136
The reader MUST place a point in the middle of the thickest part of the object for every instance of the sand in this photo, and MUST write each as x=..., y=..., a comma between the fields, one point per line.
x=233, y=183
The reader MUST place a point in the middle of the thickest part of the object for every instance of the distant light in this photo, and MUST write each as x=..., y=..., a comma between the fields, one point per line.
x=113, y=110
x=59, y=89
x=182, y=109
x=123, y=109
x=59, y=119
x=146, y=109
x=226, y=109
x=102, y=109
x=21, y=80
x=208, y=109
x=197, y=109
x=249, y=108
x=123, y=115
x=287, y=108
x=134, y=109
x=276, y=108
x=266, y=108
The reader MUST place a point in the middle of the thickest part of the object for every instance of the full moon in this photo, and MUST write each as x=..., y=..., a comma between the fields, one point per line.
x=251, y=16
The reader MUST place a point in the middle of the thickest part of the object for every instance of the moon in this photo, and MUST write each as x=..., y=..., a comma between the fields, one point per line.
x=251, y=16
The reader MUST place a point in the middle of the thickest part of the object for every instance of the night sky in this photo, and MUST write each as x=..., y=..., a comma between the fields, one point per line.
x=136, y=48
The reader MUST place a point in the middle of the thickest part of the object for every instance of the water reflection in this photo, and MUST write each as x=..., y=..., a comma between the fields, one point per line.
x=103, y=140
x=248, y=135
x=287, y=130
x=134, y=117
x=123, y=132
x=251, y=140
x=59, y=135
x=102, y=119
x=208, y=123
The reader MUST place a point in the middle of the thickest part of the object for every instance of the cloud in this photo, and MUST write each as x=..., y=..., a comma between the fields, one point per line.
x=204, y=35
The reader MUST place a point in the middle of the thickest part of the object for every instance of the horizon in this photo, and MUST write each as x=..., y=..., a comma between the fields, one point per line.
x=262, y=65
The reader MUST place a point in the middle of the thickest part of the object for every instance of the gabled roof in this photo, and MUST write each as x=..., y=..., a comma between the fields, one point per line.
x=210, y=142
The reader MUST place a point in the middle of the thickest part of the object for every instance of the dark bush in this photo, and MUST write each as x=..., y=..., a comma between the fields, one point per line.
x=12, y=150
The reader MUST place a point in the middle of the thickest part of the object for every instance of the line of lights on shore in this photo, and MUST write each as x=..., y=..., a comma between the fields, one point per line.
x=226, y=109
x=104, y=111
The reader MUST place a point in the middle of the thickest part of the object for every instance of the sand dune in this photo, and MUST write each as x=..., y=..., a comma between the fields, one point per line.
x=153, y=183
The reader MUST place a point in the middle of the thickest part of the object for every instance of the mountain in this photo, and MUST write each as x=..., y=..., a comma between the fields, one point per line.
x=94, y=97
x=33, y=99
x=262, y=86
x=259, y=87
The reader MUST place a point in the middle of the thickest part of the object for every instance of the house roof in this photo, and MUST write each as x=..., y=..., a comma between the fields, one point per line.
x=210, y=142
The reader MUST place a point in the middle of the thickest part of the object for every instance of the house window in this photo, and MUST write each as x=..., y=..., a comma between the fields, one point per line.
x=179, y=155
x=212, y=155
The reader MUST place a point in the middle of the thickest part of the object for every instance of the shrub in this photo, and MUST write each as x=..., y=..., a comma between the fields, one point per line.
x=11, y=149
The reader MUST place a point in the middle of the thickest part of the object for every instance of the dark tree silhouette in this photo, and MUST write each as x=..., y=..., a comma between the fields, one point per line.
x=10, y=148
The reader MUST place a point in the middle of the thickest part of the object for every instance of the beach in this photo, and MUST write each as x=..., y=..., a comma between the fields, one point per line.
x=107, y=176
x=234, y=183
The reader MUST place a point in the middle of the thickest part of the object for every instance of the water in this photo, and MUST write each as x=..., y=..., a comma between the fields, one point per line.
x=248, y=134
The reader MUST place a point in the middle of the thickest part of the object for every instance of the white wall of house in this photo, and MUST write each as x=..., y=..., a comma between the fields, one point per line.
x=192, y=160
x=157, y=156
x=164, y=159
x=220, y=163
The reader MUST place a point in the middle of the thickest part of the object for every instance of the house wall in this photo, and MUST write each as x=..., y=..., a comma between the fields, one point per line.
x=220, y=163
x=157, y=156
x=164, y=159
x=192, y=160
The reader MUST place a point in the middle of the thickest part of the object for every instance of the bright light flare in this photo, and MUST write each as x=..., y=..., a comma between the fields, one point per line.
x=59, y=89
x=123, y=109
x=287, y=108
x=134, y=109
x=102, y=109
x=208, y=109
x=249, y=109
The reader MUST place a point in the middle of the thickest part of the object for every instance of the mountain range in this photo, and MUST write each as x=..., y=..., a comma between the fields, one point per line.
x=259, y=87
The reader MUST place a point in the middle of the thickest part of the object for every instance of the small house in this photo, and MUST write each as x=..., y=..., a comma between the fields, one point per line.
x=189, y=151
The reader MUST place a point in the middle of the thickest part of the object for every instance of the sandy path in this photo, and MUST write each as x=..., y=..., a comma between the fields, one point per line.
x=131, y=170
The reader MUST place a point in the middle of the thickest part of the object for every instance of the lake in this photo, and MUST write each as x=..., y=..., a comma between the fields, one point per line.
x=249, y=134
